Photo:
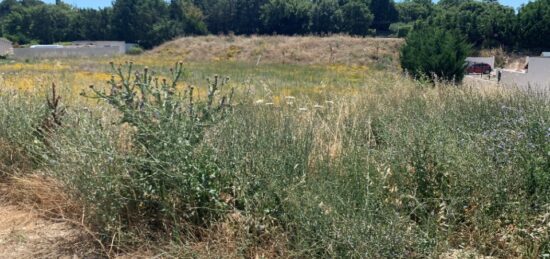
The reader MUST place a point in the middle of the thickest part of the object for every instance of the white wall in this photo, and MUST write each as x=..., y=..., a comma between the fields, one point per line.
x=119, y=44
x=65, y=52
x=537, y=77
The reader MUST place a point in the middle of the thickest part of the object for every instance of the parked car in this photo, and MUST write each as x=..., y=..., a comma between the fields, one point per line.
x=479, y=68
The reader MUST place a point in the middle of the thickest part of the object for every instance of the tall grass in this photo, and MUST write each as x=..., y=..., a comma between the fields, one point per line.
x=390, y=169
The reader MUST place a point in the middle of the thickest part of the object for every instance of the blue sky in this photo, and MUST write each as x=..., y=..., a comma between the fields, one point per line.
x=103, y=3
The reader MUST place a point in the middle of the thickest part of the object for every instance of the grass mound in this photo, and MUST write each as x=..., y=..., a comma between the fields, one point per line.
x=284, y=49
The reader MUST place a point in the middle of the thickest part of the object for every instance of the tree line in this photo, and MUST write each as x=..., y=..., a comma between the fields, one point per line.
x=484, y=23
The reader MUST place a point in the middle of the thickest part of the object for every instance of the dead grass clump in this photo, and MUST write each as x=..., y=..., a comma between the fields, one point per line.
x=237, y=236
x=12, y=159
x=42, y=194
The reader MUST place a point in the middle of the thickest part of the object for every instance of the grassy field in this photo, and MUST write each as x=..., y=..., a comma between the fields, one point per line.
x=311, y=159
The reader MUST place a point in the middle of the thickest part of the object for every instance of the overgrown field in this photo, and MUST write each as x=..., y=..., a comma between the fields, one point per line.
x=282, y=160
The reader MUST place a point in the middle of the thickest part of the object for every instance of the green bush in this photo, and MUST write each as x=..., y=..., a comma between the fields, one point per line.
x=401, y=29
x=436, y=54
x=136, y=50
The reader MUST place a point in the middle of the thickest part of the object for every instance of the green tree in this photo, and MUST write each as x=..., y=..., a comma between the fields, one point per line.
x=534, y=21
x=135, y=20
x=384, y=12
x=413, y=10
x=93, y=24
x=247, y=16
x=484, y=24
x=188, y=19
x=326, y=17
x=51, y=23
x=286, y=16
x=357, y=17
x=435, y=53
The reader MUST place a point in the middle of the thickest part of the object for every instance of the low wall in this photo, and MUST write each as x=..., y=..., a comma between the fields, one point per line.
x=28, y=53
x=525, y=81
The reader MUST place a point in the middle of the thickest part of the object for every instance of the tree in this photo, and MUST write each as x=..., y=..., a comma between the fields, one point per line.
x=534, y=21
x=287, y=17
x=326, y=17
x=435, y=53
x=247, y=16
x=51, y=23
x=134, y=20
x=219, y=14
x=484, y=24
x=413, y=10
x=188, y=19
x=357, y=17
x=384, y=12
x=92, y=24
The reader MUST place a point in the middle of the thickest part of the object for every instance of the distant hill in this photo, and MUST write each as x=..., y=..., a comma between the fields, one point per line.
x=285, y=49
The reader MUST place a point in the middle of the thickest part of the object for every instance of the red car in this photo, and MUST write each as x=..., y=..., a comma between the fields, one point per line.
x=479, y=68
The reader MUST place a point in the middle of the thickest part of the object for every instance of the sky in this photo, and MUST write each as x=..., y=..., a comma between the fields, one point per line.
x=104, y=3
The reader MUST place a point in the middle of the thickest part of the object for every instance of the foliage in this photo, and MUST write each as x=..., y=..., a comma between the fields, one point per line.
x=483, y=24
x=165, y=176
x=136, y=50
x=286, y=17
x=327, y=17
x=401, y=29
x=413, y=10
x=435, y=53
x=384, y=12
x=357, y=17
x=534, y=24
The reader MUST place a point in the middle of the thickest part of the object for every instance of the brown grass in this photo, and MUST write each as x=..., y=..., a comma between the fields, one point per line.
x=39, y=220
x=35, y=221
x=283, y=49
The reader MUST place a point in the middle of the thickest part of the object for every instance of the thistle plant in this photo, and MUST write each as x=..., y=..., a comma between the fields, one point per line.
x=172, y=177
x=53, y=118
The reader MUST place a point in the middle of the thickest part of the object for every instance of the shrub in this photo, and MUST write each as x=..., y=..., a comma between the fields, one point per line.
x=136, y=50
x=435, y=53
x=401, y=29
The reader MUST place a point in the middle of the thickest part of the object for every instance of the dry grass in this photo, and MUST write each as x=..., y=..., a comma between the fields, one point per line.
x=283, y=49
x=39, y=220
x=33, y=222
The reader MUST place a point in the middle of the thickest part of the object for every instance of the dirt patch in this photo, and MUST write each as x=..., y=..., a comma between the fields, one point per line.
x=32, y=223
